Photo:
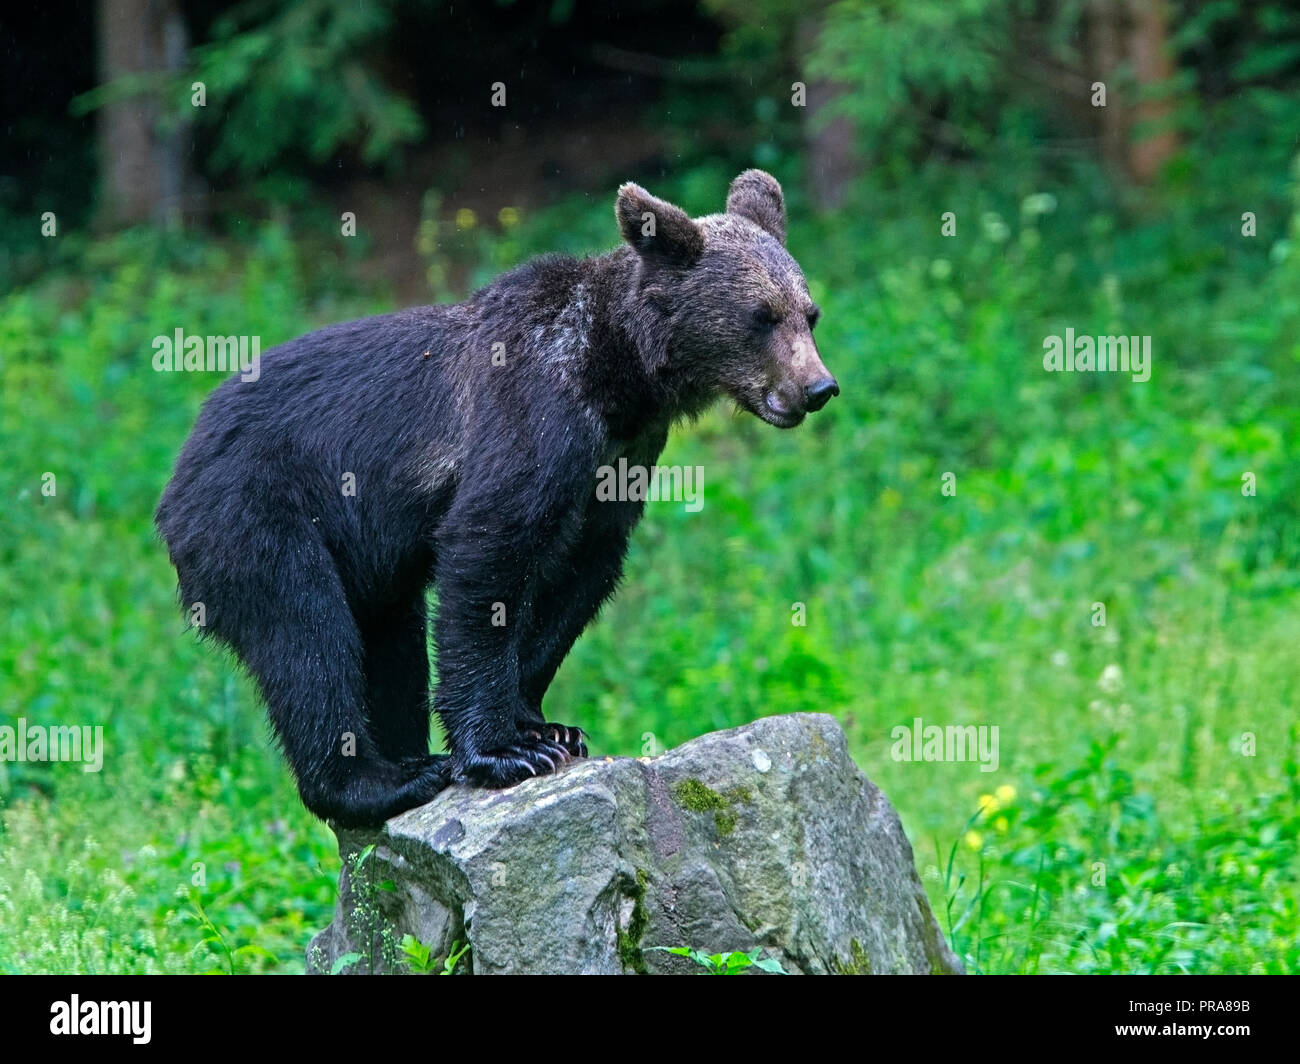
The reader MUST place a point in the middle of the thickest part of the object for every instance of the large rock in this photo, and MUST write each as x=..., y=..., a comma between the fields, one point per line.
x=762, y=836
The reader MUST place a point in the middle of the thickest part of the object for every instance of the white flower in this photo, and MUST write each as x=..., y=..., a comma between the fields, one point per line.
x=1112, y=680
x=995, y=229
x=1038, y=203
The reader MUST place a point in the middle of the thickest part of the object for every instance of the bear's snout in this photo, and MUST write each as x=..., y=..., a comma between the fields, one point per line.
x=819, y=393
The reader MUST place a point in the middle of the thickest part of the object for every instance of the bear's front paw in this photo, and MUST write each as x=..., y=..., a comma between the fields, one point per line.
x=573, y=740
x=538, y=751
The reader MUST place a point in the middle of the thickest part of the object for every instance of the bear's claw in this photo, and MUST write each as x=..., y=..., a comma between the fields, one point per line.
x=574, y=740
x=539, y=751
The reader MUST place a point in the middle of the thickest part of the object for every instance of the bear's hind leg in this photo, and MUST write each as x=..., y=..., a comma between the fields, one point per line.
x=300, y=641
x=397, y=680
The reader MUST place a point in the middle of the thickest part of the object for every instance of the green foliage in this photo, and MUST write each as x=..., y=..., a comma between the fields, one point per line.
x=422, y=960
x=732, y=963
x=984, y=79
x=299, y=81
x=1071, y=897
x=344, y=960
x=914, y=76
x=369, y=922
x=902, y=63
x=285, y=85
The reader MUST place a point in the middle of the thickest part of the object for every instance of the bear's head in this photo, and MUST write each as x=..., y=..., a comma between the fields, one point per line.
x=721, y=306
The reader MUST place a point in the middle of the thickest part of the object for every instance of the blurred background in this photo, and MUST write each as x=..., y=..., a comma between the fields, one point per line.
x=964, y=177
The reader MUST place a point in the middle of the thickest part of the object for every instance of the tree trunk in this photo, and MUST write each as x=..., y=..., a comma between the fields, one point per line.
x=1132, y=33
x=831, y=158
x=1104, y=35
x=142, y=168
x=1148, y=50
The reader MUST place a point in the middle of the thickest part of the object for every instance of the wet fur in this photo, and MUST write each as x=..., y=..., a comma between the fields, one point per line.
x=477, y=479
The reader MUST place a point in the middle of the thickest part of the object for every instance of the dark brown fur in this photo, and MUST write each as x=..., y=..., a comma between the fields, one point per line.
x=473, y=476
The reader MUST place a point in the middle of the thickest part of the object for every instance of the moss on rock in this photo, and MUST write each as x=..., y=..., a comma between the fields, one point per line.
x=629, y=939
x=699, y=797
x=858, y=964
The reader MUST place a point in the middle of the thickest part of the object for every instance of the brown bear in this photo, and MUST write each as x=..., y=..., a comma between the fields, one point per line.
x=458, y=447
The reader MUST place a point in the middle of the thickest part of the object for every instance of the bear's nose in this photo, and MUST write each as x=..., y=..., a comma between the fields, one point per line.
x=819, y=393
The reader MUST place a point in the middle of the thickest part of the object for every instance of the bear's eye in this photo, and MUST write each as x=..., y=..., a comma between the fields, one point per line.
x=814, y=315
x=766, y=316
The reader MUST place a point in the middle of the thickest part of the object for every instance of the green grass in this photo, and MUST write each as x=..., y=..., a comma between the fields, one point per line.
x=1124, y=831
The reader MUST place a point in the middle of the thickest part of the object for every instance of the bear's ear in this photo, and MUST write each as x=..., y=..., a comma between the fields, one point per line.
x=757, y=195
x=658, y=230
